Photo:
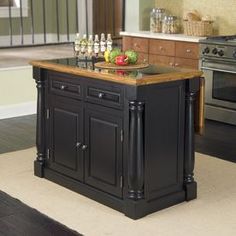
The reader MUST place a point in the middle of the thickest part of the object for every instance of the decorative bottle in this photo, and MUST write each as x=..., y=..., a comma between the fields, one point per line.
x=109, y=43
x=90, y=46
x=84, y=45
x=77, y=46
x=96, y=45
x=103, y=44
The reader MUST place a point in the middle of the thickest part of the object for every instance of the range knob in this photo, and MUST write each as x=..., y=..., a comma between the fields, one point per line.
x=221, y=53
x=214, y=51
x=206, y=50
x=234, y=54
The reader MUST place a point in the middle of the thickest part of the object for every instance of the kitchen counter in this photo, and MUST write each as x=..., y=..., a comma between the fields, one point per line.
x=175, y=37
x=151, y=75
x=102, y=135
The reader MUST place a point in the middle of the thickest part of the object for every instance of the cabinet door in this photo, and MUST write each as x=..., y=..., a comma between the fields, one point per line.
x=103, y=157
x=65, y=134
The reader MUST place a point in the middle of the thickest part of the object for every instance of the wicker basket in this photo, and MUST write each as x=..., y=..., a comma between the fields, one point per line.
x=198, y=28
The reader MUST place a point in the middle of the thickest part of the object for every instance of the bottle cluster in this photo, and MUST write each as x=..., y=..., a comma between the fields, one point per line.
x=89, y=47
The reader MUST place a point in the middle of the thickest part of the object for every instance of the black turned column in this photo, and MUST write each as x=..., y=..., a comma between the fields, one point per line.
x=190, y=184
x=136, y=155
x=40, y=129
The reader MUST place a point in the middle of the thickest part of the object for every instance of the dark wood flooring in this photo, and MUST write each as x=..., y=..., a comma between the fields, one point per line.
x=17, y=133
x=17, y=219
x=219, y=140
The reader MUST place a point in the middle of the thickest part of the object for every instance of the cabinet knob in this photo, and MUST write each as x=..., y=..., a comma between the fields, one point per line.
x=63, y=87
x=136, y=45
x=78, y=145
x=188, y=50
x=100, y=95
x=84, y=147
x=176, y=64
x=161, y=48
x=171, y=63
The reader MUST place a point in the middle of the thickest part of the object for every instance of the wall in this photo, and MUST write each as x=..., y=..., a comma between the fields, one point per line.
x=17, y=92
x=145, y=7
x=223, y=12
x=132, y=15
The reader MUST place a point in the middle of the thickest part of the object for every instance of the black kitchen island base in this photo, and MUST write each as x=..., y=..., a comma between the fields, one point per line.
x=123, y=141
x=132, y=209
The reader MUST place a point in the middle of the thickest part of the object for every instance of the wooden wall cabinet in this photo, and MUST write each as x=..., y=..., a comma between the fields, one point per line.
x=167, y=52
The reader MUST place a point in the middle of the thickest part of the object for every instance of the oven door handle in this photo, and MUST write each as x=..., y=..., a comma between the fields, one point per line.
x=215, y=69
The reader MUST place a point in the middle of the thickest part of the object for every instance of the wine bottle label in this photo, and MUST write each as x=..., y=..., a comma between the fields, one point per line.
x=90, y=49
x=96, y=48
x=109, y=46
x=103, y=46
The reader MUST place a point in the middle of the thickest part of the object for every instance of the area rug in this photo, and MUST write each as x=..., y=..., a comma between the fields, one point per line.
x=212, y=213
x=16, y=218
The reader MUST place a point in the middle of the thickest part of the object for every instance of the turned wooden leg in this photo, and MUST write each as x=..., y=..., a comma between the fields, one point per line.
x=40, y=128
x=136, y=155
x=190, y=184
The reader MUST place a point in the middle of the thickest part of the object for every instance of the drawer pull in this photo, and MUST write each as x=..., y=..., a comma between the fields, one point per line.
x=84, y=147
x=188, y=50
x=63, y=87
x=100, y=95
x=78, y=145
x=136, y=45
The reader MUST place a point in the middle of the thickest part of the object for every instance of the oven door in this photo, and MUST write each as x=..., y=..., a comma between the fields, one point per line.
x=220, y=80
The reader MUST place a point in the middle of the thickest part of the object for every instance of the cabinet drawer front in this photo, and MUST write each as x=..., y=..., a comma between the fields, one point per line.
x=187, y=50
x=108, y=96
x=186, y=63
x=142, y=57
x=165, y=60
x=162, y=47
x=65, y=86
x=126, y=43
x=140, y=45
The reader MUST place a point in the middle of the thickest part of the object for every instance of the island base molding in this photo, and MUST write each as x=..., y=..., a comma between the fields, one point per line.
x=131, y=208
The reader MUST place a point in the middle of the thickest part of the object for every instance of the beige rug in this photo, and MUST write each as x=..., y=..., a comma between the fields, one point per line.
x=213, y=213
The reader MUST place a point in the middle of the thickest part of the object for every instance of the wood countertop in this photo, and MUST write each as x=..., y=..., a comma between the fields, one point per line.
x=164, y=74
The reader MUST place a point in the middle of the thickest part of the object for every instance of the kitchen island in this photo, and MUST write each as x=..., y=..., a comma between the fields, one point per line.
x=122, y=138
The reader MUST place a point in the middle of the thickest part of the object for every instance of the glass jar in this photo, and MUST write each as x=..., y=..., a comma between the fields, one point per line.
x=170, y=25
x=153, y=20
x=160, y=13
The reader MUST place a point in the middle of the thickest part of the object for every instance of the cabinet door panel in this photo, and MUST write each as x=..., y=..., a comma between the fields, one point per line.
x=65, y=133
x=162, y=47
x=103, y=158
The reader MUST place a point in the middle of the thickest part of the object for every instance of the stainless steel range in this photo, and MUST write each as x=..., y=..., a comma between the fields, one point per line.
x=218, y=62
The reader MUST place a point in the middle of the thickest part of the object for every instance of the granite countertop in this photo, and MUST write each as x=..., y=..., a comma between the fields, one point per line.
x=151, y=75
x=175, y=37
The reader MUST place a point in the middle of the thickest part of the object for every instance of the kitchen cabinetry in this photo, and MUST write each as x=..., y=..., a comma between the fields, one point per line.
x=167, y=52
x=92, y=149
x=124, y=141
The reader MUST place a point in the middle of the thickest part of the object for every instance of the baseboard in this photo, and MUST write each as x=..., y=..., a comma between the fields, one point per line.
x=16, y=110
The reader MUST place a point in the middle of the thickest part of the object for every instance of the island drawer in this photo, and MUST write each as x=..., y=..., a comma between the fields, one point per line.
x=65, y=86
x=105, y=95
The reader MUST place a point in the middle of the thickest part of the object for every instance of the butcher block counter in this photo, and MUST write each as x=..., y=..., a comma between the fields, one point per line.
x=124, y=138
